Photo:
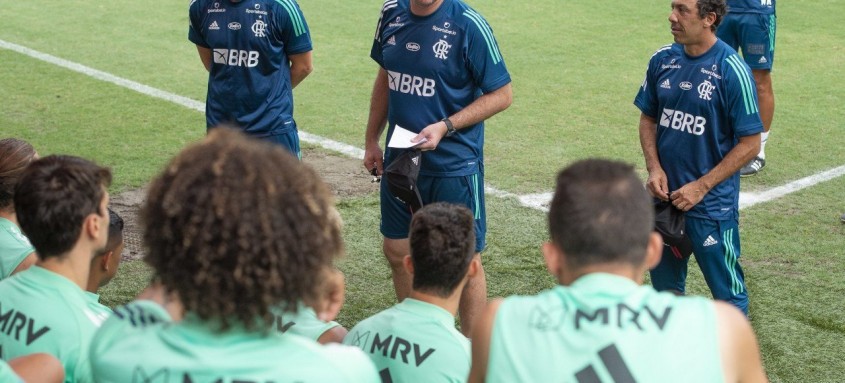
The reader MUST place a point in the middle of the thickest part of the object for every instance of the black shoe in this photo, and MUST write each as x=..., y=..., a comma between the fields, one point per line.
x=753, y=167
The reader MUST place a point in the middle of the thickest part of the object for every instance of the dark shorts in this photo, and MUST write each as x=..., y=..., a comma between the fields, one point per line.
x=753, y=34
x=716, y=248
x=464, y=190
x=288, y=140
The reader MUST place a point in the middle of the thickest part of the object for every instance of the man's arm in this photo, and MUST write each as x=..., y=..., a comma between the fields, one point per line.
x=481, y=337
x=738, y=347
x=692, y=193
x=300, y=67
x=205, y=56
x=657, y=184
x=373, y=156
x=479, y=110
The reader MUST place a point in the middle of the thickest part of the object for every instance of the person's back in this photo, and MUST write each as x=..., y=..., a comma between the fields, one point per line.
x=60, y=203
x=191, y=350
x=599, y=326
x=413, y=341
x=416, y=340
x=16, y=252
x=236, y=230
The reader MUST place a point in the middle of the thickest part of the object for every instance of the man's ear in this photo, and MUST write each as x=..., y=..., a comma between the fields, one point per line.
x=91, y=225
x=474, y=266
x=408, y=264
x=553, y=257
x=105, y=260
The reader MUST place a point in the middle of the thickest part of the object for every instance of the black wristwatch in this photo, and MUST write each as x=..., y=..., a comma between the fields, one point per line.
x=450, y=129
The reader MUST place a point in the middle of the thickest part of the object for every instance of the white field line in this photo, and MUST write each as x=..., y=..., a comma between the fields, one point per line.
x=538, y=201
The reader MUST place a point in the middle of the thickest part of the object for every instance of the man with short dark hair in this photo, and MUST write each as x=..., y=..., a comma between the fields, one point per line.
x=699, y=125
x=255, y=52
x=442, y=260
x=60, y=203
x=440, y=75
x=104, y=265
x=236, y=229
x=599, y=323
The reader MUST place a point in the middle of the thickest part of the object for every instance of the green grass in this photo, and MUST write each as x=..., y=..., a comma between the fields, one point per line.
x=576, y=66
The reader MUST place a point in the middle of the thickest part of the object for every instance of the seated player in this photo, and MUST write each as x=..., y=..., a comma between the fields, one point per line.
x=307, y=322
x=33, y=368
x=16, y=252
x=600, y=324
x=416, y=340
x=234, y=227
x=60, y=203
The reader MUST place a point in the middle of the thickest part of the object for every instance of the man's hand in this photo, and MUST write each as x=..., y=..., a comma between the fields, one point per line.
x=657, y=184
x=374, y=159
x=689, y=195
x=433, y=134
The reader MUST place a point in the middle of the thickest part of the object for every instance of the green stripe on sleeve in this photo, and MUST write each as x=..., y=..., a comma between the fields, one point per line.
x=298, y=28
x=745, y=83
x=488, y=35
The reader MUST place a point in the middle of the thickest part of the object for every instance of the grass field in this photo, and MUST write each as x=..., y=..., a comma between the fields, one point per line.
x=576, y=66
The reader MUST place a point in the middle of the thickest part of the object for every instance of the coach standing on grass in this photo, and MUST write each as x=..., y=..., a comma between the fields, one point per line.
x=256, y=52
x=699, y=125
x=441, y=75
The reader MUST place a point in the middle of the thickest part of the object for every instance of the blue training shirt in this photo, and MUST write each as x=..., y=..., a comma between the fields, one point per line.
x=751, y=6
x=436, y=66
x=249, y=82
x=702, y=106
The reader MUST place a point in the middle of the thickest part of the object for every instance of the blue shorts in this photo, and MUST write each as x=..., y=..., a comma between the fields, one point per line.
x=753, y=34
x=463, y=190
x=716, y=248
x=288, y=140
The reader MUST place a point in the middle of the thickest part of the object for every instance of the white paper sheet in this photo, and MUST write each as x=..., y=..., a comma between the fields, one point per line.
x=401, y=138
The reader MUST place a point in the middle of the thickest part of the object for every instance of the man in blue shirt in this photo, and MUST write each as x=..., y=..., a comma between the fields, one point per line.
x=441, y=75
x=750, y=26
x=256, y=52
x=699, y=125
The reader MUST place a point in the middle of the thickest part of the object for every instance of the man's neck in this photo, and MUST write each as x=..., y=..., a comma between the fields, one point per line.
x=418, y=8
x=74, y=266
x=567, y=277
x=449, y=304
x=701, y=47
x=10, y=215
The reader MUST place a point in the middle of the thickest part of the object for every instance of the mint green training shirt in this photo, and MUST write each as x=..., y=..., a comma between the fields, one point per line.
x=414, y=341
x=140, y=344
x=7, y=375
x=304, y=322
x=604, y=328
x=41, y=311
x=14, y=247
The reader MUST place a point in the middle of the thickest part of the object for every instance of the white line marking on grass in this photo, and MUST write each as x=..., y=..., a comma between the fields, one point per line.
x=538, y=201
x=749, y=199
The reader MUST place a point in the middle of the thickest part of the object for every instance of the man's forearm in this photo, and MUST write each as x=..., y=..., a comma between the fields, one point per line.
x=378, y=109
x=300, y=68
x=648, y=141
x=484, y=107
x=744, y=151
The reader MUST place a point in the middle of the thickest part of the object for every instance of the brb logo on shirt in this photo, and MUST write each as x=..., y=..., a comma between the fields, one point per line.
x=235, y=57
x=682, y=121
x=408, y=84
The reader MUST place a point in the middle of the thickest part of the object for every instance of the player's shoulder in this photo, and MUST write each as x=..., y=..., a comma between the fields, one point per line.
x=667, y=51
x=349, y=363
x=393, y=8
